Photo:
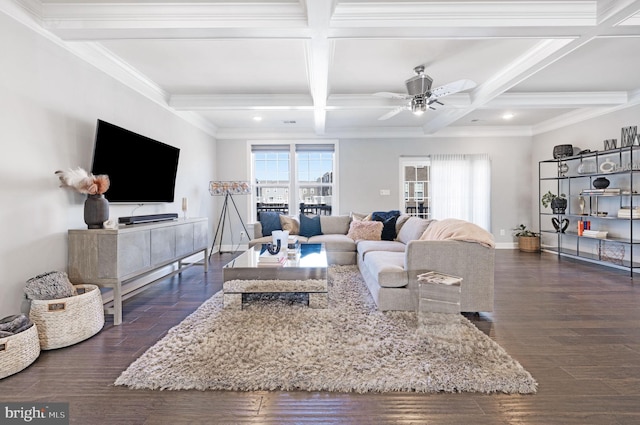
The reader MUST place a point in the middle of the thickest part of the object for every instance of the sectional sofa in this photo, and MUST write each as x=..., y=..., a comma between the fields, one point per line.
x=390, y=267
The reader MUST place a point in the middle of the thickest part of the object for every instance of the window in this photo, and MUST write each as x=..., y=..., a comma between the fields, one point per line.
x=448, y=186
x=461, y=188
x=312, y=189
x=415, y=177
x=315, y=178
x=271, y=171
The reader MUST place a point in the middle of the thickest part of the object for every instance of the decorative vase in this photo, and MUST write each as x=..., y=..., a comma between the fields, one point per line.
x=558, y=205
x=96, y=211
x=561, y=151
x=560, y=226
x=601, y=183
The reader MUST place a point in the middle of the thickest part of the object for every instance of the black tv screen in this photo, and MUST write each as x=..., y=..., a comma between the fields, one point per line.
x=141, y=170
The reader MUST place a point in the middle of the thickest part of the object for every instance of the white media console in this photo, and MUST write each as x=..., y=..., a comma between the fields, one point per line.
x=114, y=258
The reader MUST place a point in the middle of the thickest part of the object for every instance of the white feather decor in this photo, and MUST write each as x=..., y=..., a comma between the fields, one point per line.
x=82, y=181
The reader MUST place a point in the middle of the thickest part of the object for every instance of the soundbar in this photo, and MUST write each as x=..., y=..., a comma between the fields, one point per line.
x=137, y=219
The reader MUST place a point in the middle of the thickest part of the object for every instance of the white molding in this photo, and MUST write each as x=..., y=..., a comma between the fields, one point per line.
x=465, y=13
x=113, y=15
x=580, y=115
x=375, y=133
x=556, y=100
x=632, y=20
x=484, y=131
x=241, y=102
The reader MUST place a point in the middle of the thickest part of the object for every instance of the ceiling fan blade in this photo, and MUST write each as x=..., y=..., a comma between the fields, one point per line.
x=393, y=113
x=455, y=87
x=392, y=95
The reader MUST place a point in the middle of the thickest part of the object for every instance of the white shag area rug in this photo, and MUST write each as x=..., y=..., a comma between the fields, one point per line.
x=349, y=347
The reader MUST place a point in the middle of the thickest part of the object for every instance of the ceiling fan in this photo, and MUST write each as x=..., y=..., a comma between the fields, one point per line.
x=420, y=96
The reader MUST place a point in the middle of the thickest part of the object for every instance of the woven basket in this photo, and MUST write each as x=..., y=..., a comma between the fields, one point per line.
x=67, y=321
x=18, y=351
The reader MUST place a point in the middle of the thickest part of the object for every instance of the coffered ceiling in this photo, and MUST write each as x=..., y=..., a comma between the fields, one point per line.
x=309, y=68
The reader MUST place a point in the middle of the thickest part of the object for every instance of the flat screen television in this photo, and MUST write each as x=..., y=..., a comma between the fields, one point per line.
x=141, y=170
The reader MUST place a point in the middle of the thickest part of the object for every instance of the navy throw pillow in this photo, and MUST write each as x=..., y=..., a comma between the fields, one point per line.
x=388, y=219
x=310, y=225
x=270, y=221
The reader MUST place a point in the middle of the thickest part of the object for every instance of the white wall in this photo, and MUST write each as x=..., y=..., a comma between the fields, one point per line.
x=366, y=166
x=49, y=103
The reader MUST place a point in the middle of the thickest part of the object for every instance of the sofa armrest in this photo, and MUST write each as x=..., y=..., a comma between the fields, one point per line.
x=473, y=262
x=257, y=230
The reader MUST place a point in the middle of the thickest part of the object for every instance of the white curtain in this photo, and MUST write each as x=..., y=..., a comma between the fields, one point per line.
x=461, y=188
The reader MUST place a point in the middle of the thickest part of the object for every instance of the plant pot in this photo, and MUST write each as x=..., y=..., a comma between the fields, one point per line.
x=529, y=243
x=559, y=205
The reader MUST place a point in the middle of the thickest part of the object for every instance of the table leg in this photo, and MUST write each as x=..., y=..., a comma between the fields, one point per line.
x=117, y=303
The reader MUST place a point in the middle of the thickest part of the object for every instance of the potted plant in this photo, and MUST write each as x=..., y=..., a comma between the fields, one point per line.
x=528, y=241
x=558, y=202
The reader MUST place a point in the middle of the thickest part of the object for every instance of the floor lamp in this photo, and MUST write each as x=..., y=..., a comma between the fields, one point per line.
x=227, y=189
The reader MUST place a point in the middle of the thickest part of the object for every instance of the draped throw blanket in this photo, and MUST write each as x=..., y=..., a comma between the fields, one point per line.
x=458, y=230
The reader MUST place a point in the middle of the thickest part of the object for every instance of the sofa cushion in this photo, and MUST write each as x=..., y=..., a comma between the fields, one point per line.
x=310, y=225
x=365, y=247
x=290, y=223
x=388, y=267
x=335, y=224
x=360, y=216
x=388, y=219
x=334, y=242
x=365, y=230
x=413, y=229
x=270, y=221
x=400, y=221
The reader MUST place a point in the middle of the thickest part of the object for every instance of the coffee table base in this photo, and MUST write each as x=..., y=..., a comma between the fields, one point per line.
x=316, y=288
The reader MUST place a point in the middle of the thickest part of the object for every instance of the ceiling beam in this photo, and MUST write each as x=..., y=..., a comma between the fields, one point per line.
x=319, y=53
x=341, y=102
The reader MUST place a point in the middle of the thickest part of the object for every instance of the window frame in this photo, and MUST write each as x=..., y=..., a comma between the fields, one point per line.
x=404, y=162
x=294, y=184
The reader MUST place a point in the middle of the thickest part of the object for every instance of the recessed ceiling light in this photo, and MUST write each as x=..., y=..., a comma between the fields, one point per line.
x=257, y=118
x=508, y=116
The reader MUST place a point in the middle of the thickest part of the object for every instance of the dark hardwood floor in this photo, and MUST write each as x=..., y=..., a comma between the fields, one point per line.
x=575, y=326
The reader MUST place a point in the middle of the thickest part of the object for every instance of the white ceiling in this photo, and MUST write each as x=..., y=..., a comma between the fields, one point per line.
x=309, y=68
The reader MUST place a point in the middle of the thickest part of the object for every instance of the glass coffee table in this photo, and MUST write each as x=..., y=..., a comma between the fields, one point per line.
x=306, y=274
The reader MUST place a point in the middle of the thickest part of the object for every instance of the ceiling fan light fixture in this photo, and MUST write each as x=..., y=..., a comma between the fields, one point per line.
x=418, y=105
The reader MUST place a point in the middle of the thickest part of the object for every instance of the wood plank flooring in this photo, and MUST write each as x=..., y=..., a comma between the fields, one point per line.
x=575, y=326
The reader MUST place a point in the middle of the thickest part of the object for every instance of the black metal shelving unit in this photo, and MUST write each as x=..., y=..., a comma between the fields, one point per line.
x=574, y=176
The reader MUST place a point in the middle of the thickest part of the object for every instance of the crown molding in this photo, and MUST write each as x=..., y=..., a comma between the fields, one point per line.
x=465, y=13
x=109, y=20
x=556, y=100
x=376, y=133
x=212, y=102
x=173, y=15
x=580, y=115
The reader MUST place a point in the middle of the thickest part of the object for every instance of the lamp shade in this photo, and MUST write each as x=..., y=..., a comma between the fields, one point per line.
x=221, y=188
